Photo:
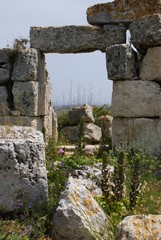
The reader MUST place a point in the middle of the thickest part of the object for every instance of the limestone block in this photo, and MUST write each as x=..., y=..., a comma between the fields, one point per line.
x=76, y=113
x=35, y=122
x=139, y=227
x=120, y=61
x=4, y=110
x=93, y=133
x=25, y=97
x=136, y=99
x=5, y=64
x=78, y=215
x=76, y=39
x=26, y=65
x=140, y=133
x=121, y=11
x=151, y=65
x=45, y=97
x=22, y=168
x=145, y=32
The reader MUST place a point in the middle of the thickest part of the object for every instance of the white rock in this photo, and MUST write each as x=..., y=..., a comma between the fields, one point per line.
x=93, y=133
x=78, y=215
x=139, y=227
x=22, y=168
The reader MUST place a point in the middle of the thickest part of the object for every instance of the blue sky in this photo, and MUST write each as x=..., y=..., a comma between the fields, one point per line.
x=74, y=77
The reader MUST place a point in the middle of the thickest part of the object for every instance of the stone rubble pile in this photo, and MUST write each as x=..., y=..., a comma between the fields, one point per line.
x=93, y=133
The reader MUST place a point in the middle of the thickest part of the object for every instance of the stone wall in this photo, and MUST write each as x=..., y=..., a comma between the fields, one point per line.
x=135, y=71
x=25, y=92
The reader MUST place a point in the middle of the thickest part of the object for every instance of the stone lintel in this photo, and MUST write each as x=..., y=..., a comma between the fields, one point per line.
x=121, y=11
x=76, y=39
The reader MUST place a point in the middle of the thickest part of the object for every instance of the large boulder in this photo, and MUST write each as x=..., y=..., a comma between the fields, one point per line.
x=121, y=62
x=76, y=39
x=136, y=99
x=78, y=215
x=139, y=227
x=139, y=133
x=150, y=67
x=145, y=32
x=76, y=113
x=23, y=175
x=121, y=11
x=70, y=133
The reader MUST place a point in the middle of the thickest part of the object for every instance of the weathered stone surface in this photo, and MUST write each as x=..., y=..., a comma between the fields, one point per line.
x=47, y=126
x=26, y=65
x=5, y=65
x=25, y=97
x=120, y=60
x=78, y=215
x=150, y=68
x=85, y=111
x=70, y=133
x=136, y=99
x=139, y=227
x=76, y=39
x=93, y=133
x=4, y=110
x=121, y=11
x=105, y=122
x=145, y=32
x=140, y=133
x=35, y=122
x=22, y=168
x=91, y=178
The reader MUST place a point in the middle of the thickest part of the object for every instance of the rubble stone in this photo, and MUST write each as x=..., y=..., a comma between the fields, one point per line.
x=78, y=215
x=22, y=168
x=76, y=113
x=134, y=227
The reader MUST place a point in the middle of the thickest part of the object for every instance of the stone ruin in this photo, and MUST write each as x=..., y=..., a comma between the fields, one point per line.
x=25, y=92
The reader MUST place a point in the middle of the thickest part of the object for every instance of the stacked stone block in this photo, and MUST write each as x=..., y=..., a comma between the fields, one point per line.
x=135, y=71
x=25, y=92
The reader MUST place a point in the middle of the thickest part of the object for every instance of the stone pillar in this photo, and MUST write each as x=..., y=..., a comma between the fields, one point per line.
x=25, y=98
x=136, y=98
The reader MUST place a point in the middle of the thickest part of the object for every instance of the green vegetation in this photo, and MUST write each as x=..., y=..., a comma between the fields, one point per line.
x=129, y=190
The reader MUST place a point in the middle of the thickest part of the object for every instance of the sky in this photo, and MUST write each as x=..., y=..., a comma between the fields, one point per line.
x=75, y=78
